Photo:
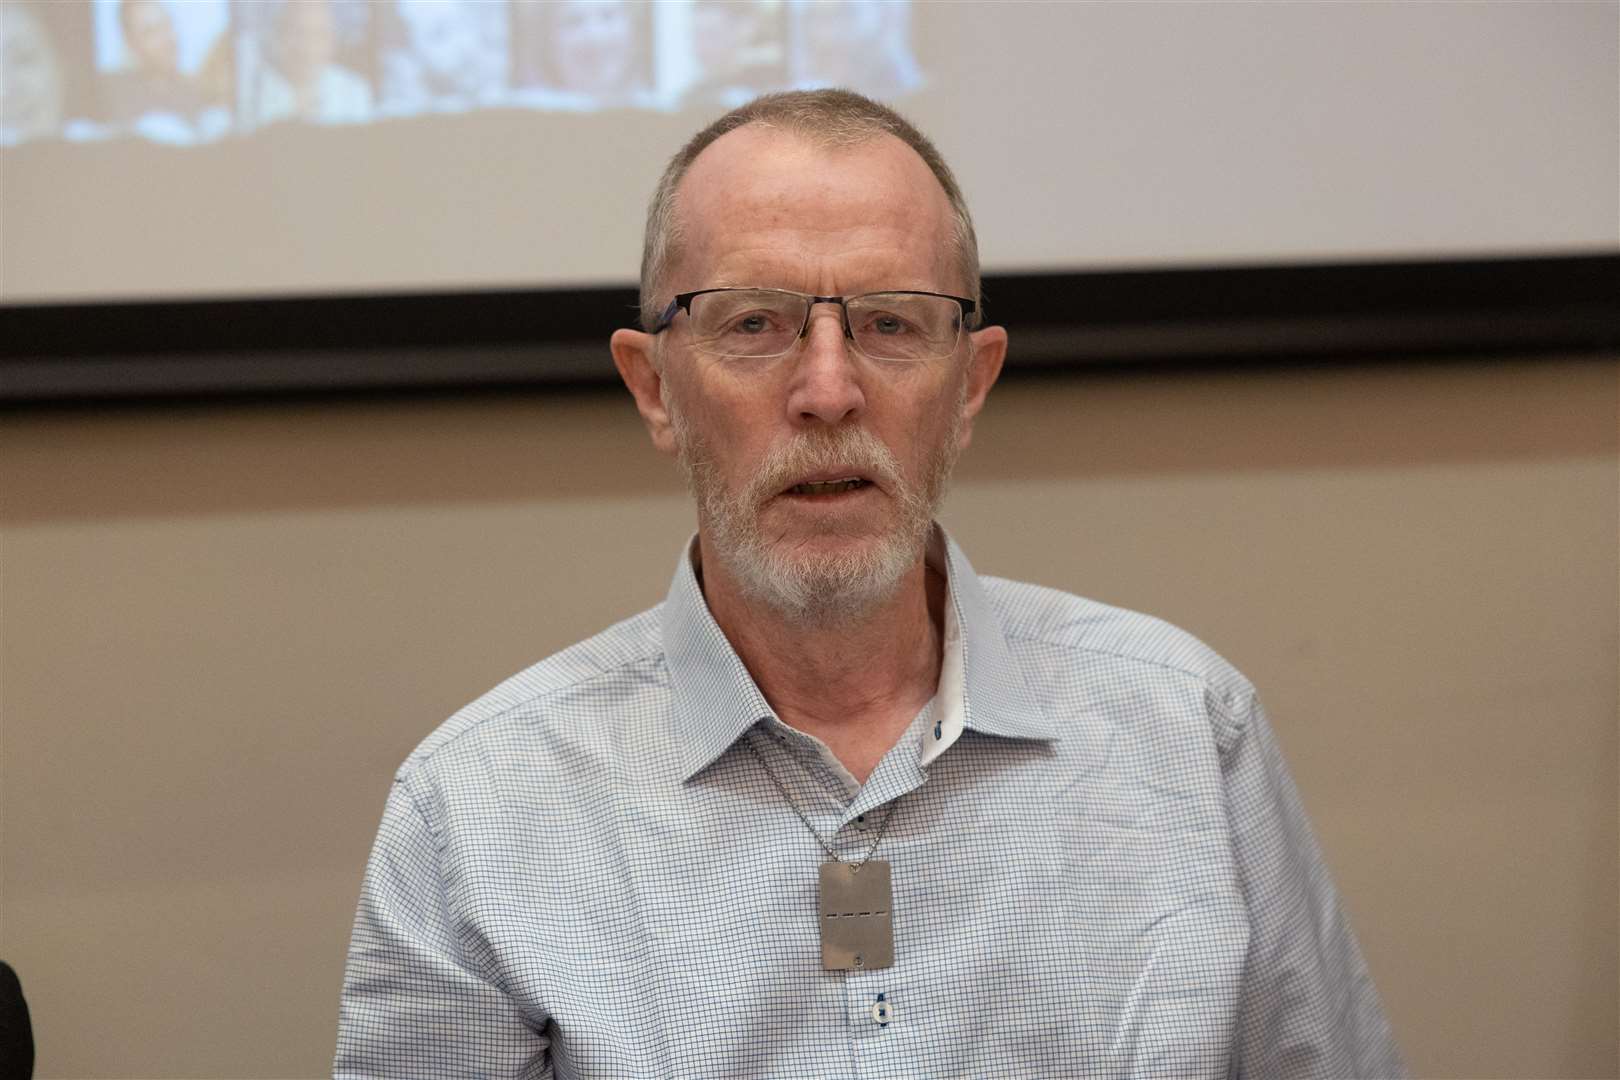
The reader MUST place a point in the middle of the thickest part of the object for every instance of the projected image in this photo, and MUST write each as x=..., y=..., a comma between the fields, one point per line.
x=584, y=54
x=183, y=72
x=443, y=55
x=31, y=75
x=306, y=60
x=738, y=50
x=165, y=67
x=859, y=43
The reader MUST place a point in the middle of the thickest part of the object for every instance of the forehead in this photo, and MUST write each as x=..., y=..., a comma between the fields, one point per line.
x=764, y=202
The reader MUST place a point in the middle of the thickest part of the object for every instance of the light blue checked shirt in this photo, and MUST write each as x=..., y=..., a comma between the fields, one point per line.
x=1100, y=869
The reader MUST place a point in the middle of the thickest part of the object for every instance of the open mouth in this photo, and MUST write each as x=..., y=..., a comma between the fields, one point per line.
x=830, y=487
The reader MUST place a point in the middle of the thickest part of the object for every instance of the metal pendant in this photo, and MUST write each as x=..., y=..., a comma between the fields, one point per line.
x=857, y=920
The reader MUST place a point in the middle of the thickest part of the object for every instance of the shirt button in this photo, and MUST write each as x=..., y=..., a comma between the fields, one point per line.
x=882, y=1012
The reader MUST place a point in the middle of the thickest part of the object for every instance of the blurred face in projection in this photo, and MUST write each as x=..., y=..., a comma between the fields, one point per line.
x=592, y=43
x=764, y=208
x=722, y=33
x=848, y=42
x=446, y=37
x=149, y=35
x=308, y=38
x=30, y=82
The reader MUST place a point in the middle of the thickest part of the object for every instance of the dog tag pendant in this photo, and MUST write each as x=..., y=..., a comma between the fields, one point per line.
x=857, y=923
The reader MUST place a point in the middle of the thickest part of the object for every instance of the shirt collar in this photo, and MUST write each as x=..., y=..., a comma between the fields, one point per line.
x=714, y=699
x=996, y=699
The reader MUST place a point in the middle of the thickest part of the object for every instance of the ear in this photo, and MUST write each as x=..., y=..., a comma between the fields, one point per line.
x=635, y=354
x=988, y=348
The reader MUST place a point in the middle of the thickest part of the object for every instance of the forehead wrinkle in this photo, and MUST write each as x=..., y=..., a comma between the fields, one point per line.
x=798, y=255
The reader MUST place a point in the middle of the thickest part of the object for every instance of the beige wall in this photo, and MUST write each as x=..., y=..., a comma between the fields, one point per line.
x=223, y=627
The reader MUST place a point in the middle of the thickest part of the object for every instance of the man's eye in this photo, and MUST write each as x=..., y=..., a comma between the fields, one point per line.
x=887, y=325
x=750, y=324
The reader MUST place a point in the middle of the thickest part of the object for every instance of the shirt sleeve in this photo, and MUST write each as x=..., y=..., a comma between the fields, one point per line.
x=413, y=1005
x=1308, y=1007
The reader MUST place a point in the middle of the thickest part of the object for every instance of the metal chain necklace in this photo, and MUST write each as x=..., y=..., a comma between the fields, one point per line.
x=831, y=854
x=856, y=899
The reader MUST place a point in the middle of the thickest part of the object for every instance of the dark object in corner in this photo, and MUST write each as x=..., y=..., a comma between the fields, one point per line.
x=16, y=1033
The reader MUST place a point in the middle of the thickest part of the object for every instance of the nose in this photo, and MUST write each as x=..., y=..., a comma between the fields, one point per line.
x=826, y=382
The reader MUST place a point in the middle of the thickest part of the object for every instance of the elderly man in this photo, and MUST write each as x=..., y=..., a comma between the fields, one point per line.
x=839, y=806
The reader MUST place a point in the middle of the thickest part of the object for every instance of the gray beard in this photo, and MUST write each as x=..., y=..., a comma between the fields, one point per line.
x=814, y=589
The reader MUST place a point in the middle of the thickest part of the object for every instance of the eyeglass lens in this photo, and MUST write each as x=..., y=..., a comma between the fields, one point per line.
x=763, y=323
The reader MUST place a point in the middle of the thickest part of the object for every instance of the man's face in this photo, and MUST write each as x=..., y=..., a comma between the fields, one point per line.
x=762, y=208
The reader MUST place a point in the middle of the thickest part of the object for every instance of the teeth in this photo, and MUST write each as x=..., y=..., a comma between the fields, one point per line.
x=828, y=487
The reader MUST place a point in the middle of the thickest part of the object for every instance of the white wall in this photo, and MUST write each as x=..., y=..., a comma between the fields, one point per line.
x=222, y=627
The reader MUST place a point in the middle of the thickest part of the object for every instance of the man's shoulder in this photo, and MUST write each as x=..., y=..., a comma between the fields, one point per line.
x=615, y=661
x=1096, y=634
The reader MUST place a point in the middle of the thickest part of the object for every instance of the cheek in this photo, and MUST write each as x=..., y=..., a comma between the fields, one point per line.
x=730, y=432
x=741, y=409
x=923, y=428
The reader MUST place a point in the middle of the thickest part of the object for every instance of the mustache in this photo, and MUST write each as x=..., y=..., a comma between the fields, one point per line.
x=854, y=449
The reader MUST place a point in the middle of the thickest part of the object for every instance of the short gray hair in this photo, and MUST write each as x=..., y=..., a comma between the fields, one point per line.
x=828, y=118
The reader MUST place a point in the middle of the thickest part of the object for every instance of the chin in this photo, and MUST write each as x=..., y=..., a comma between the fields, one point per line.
x=836, y=580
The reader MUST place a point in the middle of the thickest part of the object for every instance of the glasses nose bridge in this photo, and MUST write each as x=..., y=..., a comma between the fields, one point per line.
x=812, y=302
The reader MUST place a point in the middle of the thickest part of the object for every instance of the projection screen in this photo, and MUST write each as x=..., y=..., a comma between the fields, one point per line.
x=166, y=149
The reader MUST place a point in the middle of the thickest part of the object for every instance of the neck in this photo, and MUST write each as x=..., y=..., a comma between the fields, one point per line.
x=855, y=684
